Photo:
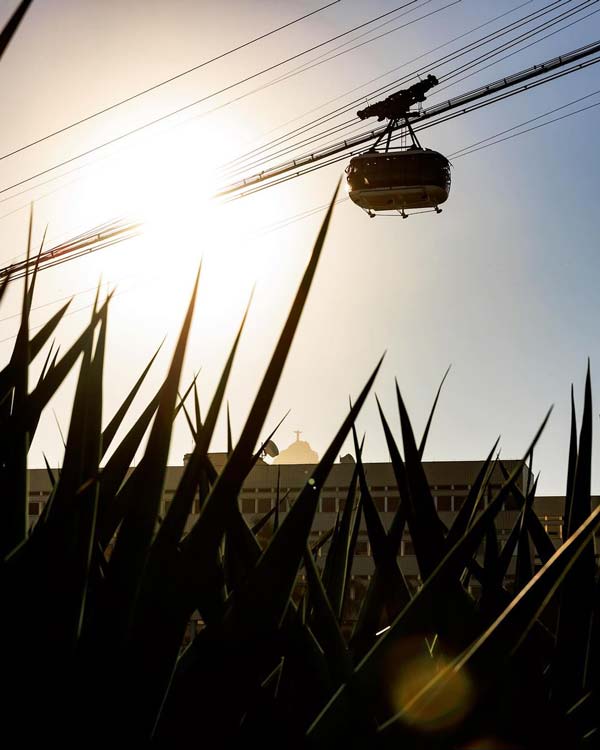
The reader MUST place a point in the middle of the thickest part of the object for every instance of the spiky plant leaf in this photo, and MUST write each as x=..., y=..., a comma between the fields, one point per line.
x=43, y=335
x=425, y=530
x=266, y=517
x=336, y=564
x=115, y=496
x=570, y=470
x=132, y=548
x=326, y=626
x=257, y=611
x=353, y=702
x=577, y=596
x=423, y=442
x=13, y=24
x=111, y=428
x=509, y=632
x=14, y=444
x=208, y=531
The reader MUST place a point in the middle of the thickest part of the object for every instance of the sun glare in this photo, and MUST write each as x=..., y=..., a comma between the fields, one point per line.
x=166, y=184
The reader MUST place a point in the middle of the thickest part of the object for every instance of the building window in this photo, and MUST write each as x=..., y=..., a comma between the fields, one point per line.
x=392, y=504
x=380, y=504
x=362, y=549
x=264, y=505
x=408, y=548
x=248, y=505
x=328, y=505
x=443, y=503
x=34, y=509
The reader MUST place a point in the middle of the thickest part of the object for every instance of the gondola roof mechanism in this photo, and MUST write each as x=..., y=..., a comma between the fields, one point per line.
x=399, y=179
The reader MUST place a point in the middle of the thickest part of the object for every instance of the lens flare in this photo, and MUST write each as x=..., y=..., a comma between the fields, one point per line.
x=449, y=696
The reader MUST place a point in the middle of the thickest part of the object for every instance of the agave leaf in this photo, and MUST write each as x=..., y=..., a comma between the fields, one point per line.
x=524, y=570
x=571, y=470
x=197, y=408
x=322, y=540
x=113, y=501
x=14, y=444
x=338, y=553
x=423, y=442
x=472, y=501
x=49, y=472
x=111, y=429
x=132, y=548
x=509, y=632
x=276, y=570
x=277, y=500
x=188, y=419
x=41, y=395
x=113, y=628
x=331, y=548
x=257, y=611
x=269, y=437
x=326, y=624
x=45, y=369
x=183, y=399
x=173, y=526
x=262, y=522
x=490, y=558
x=423, y=521
x=43, y=335
x=508, y=550
x=13, y=24
x=69, y=522
x=229, y=440
x=396, y=592
x=539, y=536
x=242, y=551
x=577, y=596
x=304, y=685
x=47, y=364
x=211, y=524
x=347, y=708
x=199, y=548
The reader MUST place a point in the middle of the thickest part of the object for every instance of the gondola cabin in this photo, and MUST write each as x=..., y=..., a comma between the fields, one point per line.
x=415, y=178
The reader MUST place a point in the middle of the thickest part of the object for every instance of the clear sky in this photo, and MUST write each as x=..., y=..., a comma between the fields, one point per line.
x=503, y=284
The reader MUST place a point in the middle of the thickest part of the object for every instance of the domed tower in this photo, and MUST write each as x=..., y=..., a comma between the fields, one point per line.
x=298, y=452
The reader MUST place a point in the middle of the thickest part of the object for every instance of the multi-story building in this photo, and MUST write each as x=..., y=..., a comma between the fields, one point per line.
x=449, y=481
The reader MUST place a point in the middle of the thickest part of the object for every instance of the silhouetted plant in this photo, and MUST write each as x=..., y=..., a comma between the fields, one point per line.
x=98, y=596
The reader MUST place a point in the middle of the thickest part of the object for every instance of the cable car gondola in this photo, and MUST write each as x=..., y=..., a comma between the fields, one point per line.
x=399, y=179
x=414, y=178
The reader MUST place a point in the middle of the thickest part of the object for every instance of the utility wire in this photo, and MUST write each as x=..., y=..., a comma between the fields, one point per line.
x=377, y=78
x=320, y=209
x=309, y=142
x=455, y=154
x=185, y=107
x=116, y=231
x=204, y=114
x=450, y=57
x=467, y=152
x=341, y=151
x=467, y=48
x=521, y=49
x=176, y=77
x=527, y=19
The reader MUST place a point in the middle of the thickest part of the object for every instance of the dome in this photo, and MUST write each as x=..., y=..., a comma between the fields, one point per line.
x=298, y=452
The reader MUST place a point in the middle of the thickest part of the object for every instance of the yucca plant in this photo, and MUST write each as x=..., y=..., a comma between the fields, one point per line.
x=98, y=595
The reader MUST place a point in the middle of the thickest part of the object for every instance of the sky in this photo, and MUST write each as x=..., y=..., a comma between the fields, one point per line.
x=502, y=286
